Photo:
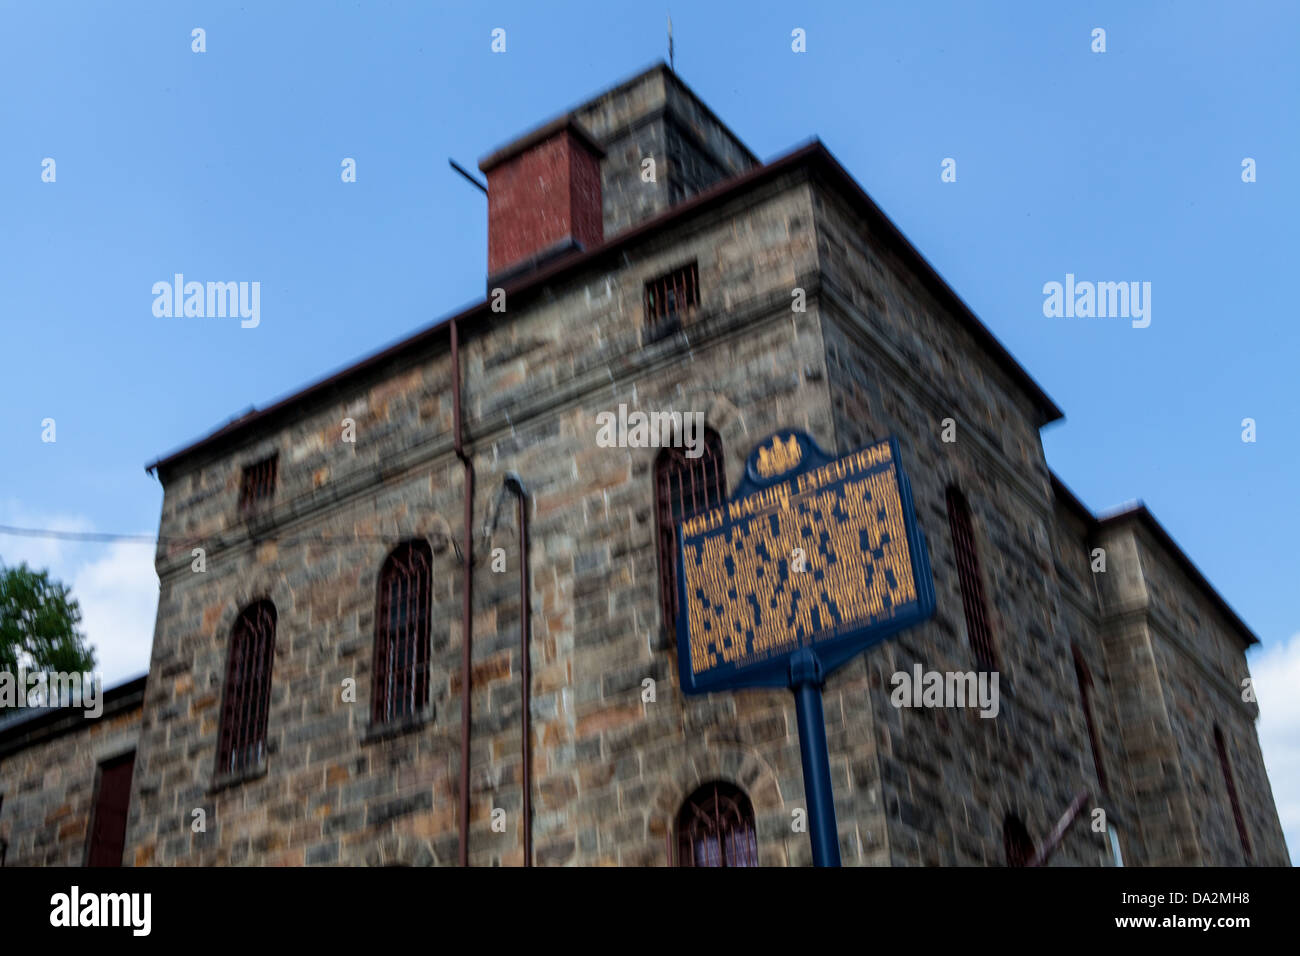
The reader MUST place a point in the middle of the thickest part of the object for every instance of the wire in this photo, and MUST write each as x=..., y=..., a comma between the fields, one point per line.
x=77, y=535
x=107, y=536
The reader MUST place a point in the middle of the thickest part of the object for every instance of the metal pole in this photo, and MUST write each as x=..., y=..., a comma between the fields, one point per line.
x=806, y=682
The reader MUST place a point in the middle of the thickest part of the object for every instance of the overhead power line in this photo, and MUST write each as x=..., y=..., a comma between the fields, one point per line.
x=108, y=536
x=77, y=535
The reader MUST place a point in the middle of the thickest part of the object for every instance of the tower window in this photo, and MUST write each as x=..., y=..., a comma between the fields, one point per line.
x=669, y=299
x=1230, y=782
x=242, y=742
x=401, y=687
x=258, y=483
x=1084, y=677
x=715, y=827
x=972, y=585
x=683, y=488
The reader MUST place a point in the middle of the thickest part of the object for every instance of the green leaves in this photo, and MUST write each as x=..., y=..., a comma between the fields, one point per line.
x=39, y=621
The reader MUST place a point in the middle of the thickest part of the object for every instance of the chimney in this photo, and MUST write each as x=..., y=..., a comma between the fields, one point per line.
x=543, y=198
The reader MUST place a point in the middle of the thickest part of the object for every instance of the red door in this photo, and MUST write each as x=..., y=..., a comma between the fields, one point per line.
x=108, y=825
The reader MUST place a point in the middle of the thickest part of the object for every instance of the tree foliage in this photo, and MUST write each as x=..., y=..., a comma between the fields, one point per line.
x=39, y=621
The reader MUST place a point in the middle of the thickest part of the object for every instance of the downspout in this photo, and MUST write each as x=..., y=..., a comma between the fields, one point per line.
x=516, y=486
x=467, y=593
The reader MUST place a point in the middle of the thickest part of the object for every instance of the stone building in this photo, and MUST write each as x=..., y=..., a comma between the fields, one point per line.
x=362, y=581
x=65, y=780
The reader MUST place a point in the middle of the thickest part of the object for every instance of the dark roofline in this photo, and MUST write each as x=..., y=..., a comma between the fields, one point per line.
x=540, y=134
x=46, y=723
x=1071, y=501
x=814, y=156
x=939, y=288
x=1140, y=513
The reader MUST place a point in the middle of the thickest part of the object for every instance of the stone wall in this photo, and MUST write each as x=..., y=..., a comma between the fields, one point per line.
x=899, y=366
x=1199, y=657
x=875, y=353
x=656, y=116
x=609, y=770
x=48, y=786
x=1079, y=619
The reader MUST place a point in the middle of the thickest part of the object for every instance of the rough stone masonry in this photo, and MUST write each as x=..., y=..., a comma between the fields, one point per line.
x=1112, y=684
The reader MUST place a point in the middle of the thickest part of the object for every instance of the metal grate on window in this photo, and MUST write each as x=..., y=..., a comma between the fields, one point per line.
x=972, y=586
x=683, y=488
x=715, y=827
x=258, y=484
x=1221, y=745
x=1084, y=676
x=242, y=742
x=401, y=687
x=669, y=299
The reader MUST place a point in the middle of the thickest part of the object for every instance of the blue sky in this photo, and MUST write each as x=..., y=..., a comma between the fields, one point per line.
x=1115, y=166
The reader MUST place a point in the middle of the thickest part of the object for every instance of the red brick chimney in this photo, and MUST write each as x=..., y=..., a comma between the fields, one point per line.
x=543, y=197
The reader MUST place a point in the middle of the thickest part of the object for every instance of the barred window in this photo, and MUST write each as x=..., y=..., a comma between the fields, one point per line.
x=1221, y=745
x=258, y=484
x=683, y=487
x=1084, y=677
x=670, y=298
x=972, y=585
x=401, y=670
x=1016, y=841
x=715, y=827
x=242, y=741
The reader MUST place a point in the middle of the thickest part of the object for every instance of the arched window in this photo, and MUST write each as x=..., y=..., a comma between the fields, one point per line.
x=972, y=585
x=1221, y=745
x=242, y=741
x=401, y=686
x=1084, y=677
x=1016, y=841
x=683, y=487
x=715, y=827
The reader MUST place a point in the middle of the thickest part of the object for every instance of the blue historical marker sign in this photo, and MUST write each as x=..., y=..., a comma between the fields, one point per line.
x=812, y=553
x=811, y=562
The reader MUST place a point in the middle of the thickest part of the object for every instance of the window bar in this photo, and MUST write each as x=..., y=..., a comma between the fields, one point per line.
x=402, y=634
x=972, y=588
x=245, y=713
x=1222, y=747
x=1084, y=677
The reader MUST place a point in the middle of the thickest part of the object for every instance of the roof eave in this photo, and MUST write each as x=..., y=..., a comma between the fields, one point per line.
x=814, y=153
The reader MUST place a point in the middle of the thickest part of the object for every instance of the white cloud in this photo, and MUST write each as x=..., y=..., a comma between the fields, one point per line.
x=114, y=583
x=119, y=597
x=1276, y=670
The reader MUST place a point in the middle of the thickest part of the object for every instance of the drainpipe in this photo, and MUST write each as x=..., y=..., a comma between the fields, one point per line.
x=515, y=485
x=467, y=593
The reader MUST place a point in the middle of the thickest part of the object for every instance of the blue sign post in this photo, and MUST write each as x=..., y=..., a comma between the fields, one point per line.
x=813, y=560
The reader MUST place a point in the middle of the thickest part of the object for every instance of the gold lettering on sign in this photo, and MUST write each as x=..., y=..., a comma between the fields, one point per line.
x=780, y=458
x=745, y=603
